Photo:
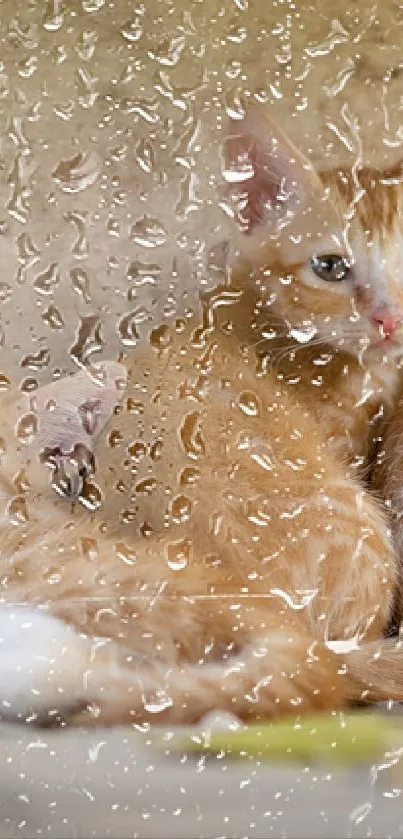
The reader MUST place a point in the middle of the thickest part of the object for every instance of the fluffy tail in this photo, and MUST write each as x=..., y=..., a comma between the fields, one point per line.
x=284, y=673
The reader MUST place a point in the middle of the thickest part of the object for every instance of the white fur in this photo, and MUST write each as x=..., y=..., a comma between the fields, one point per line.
x=42, y=663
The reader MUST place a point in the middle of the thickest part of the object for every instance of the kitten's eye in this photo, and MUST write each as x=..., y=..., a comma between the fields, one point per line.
x=331, y=267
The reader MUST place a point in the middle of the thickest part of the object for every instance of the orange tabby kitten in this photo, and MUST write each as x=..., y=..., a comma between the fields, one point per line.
x=387, y=481
x=228, y=554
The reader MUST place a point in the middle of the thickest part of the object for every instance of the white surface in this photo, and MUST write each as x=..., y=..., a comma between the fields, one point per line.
x=110, y=783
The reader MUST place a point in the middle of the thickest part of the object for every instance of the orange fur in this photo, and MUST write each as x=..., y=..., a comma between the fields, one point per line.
x=387, y=482
x=236, y=544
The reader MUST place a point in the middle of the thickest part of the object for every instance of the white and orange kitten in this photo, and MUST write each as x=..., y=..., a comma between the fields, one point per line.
x=227, y=554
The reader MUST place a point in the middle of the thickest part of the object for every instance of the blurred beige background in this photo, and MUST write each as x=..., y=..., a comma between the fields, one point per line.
x=111, y=123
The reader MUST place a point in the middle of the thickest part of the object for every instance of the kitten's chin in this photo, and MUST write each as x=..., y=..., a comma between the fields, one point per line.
x=389, y=348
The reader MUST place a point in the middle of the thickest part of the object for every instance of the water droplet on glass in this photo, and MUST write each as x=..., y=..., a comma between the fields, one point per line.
x=5, y=292
x=134, y=407
x=179, y=554
x=27, y=252
x=21, y=482
x=53, y=17
x=156, y=450
x=17, y=510
x=181, y=508
x=86, y=44
x=115, y=438
x=113, y=227
x=219, y=721
x=216, y=299
x=4, y=84
x=78, y=173
x=127, y=329
x=65, y=482
x=52, y=317
x=161, y=337
x=118, y=153
x=132, y=30
x=27, y=428
x=90, y=496
x=92, y=5
x=160, y=702
x=248, y=403
x=59, y=54
x=257, y=511
x=29, y=385
x=16, y=132
x=304, y=334
x=239, y=167
x=149, y=232
x=262, y=454
x=34, y=111
x=168, y=51
x=191, y=436
x=137, y=450
x=36, y=361
x=182, y=152
x=27, y=66
x=361, y=812
x=189, y=476
x=25, y=35
x=145, y=155
x=146, y=487
x=125, y=554
x=5, y=382
x=88, y=342
x=87, y=87
x=144, y=108
x=142, y=273
x=20, y=180
x=80, y=246
x=89, y=547
x=80, y=283
x=146, y=529
x=177, y=94
x=48, y=280
x=236, y=33
x=234, y=104
x=90, y=413
x=188, y=201
x=127, y=516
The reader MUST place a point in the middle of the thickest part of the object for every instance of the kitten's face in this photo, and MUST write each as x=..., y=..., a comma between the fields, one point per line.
x=346, y=285
x=333, y=245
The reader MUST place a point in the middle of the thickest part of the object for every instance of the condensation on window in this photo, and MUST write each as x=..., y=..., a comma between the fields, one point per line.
x=122, y=228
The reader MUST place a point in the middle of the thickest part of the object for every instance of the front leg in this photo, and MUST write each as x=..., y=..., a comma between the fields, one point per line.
x=357, y=571
x=58, y=426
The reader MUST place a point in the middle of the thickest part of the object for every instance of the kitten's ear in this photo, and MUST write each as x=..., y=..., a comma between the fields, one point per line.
x=60, y=416
x=268, y=177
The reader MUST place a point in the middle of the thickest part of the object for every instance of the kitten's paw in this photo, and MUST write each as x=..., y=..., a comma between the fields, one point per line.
x=59, y=424
x=70, y=471
x=43, y=663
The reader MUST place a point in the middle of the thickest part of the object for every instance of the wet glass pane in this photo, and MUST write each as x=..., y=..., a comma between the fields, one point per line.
x=201, y=430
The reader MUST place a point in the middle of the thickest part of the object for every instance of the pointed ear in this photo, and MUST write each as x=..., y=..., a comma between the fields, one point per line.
x=268, y=177
x=60, y=416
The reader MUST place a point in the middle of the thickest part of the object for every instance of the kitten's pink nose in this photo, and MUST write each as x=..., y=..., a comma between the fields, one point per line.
x=387, y=320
